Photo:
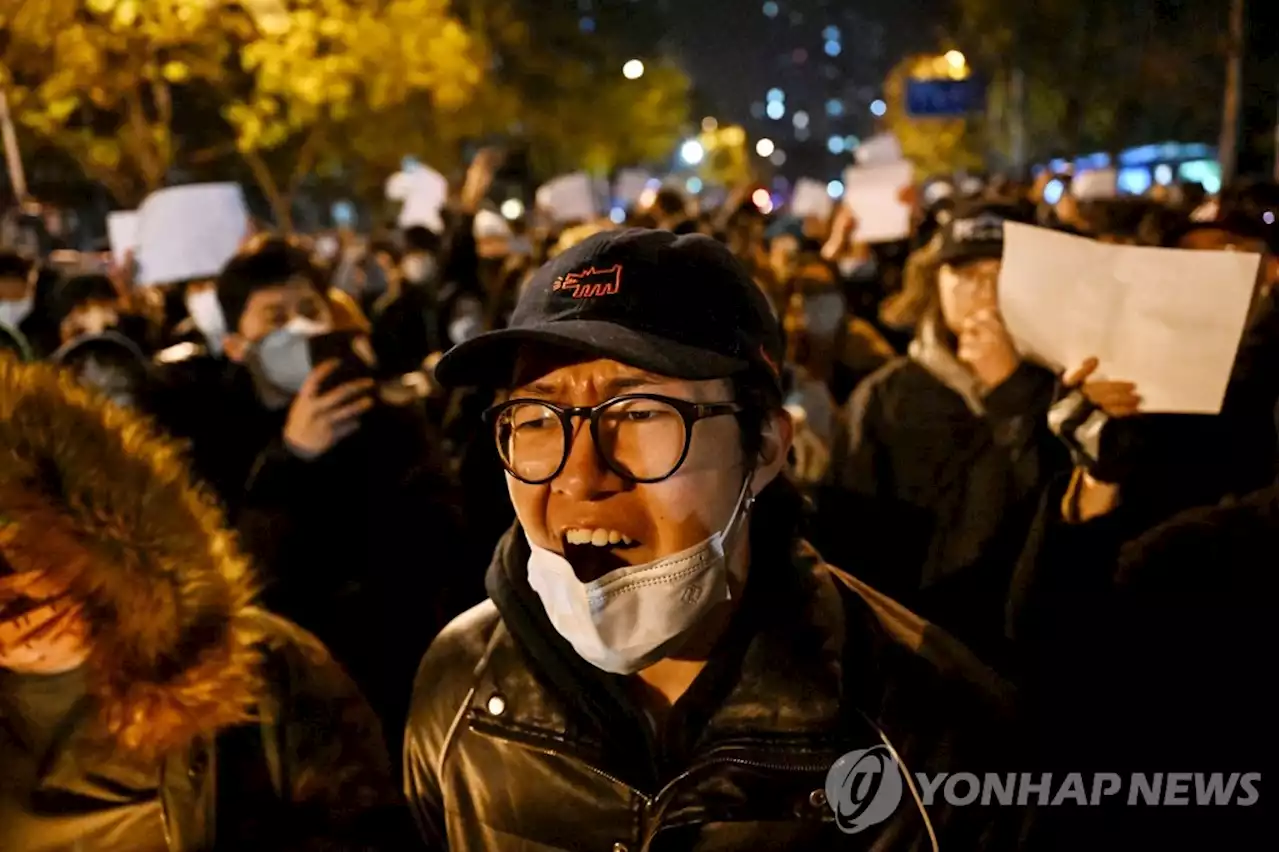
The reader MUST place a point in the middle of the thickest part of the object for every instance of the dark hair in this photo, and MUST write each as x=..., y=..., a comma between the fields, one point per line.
x=273, y=263
x=668, y=201
x=382, y=245
x=75, y=290
x=15, y=265
x=781, y=506
x=419, y=238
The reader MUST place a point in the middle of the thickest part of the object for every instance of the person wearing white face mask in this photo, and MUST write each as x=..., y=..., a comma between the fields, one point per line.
x=663, y=661
x=947, y=450
x=18, y=317
x=333, y=478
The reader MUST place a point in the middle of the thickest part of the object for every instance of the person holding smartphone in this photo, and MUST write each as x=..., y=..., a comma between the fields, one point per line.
x=341, y=488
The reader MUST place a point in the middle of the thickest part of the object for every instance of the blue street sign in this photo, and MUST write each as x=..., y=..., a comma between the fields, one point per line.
x=945, y=98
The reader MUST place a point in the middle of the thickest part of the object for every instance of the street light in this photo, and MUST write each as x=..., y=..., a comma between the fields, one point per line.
x=512, y=208
x=709, y=125
x=692, y=152
x=955, y=59
x=764, y=147
x=633, y=69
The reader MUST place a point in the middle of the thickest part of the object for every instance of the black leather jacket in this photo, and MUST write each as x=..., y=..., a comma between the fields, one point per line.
x=511, y=747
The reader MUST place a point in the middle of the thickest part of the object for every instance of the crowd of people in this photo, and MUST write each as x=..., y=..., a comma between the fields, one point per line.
x=618, y=536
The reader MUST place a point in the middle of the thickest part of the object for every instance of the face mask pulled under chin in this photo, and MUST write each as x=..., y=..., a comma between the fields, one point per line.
x=12, y=313
x=629, y=618
x=283, y=358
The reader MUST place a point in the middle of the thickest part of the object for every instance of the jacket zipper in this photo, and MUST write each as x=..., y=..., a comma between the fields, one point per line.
x=649, y=801
x=645, y=797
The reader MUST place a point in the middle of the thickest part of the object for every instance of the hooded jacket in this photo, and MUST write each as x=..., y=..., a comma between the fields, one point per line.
x=252, y=735
x=516, y=743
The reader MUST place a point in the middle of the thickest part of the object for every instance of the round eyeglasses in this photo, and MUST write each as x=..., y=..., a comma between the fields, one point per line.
x=641, y=437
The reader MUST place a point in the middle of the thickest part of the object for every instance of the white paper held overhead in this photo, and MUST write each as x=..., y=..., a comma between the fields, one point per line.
x=1169, y=320
x=873, y=195
x=122, y=233
x=879, y=150
x=568, y=198
x=630, y=185
x=811, y=199
x=189, y=232
x=423, y=192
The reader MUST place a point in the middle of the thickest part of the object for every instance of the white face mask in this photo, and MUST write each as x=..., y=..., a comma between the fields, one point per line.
x=418, y=268
x=206, y=313
x=629, y=618
x=284, y=355
x=823, y=314
x=14, y=312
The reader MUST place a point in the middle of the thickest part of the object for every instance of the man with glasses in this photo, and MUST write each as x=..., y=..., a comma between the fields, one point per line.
x=663, y=662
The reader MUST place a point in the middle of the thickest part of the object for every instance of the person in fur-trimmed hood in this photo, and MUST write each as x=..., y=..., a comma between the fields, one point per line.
x=145, y=703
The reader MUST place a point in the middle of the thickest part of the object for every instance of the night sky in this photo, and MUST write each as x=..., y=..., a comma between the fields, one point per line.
x=827, y=57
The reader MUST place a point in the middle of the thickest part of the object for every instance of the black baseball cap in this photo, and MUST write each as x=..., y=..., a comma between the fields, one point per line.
x=680, y=306
x=975, y=231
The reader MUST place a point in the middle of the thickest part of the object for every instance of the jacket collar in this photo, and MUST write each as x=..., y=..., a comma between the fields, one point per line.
x=930, y=351
x=782, y=686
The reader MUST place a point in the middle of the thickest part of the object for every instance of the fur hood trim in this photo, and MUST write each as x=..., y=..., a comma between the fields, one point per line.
x=163, y=582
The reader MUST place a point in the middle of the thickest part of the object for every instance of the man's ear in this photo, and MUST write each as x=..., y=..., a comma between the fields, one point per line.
x=776, y=435
x=236, y=347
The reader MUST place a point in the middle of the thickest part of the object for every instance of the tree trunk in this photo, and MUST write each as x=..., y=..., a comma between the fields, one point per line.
x=1229, y=140
x=281, y=203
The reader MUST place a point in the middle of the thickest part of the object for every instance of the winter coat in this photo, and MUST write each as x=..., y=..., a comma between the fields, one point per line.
x=255, y=737
x=934, y=485
x=516, y=743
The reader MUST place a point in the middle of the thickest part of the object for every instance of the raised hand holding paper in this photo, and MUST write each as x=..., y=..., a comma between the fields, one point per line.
x=189, y=232
x=424, y=192
x=874, y=195
x=1168, y=320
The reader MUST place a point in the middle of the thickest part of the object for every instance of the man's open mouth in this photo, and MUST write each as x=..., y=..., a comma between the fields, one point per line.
x=594, y=552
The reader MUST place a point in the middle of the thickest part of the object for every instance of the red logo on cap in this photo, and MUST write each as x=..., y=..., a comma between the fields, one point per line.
x=591, y=282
